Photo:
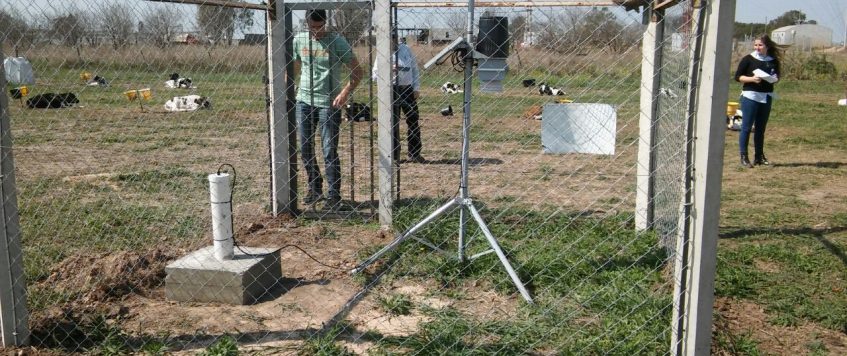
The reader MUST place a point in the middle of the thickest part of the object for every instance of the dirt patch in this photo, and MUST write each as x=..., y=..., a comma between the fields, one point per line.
x=127, y=288
x=738, y=317
x=97, y=286
x=766, y=266
x=97, y=179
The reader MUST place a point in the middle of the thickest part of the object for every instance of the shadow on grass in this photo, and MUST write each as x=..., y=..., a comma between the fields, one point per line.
x=818, y=234
x=833, y=165
x=472, y=162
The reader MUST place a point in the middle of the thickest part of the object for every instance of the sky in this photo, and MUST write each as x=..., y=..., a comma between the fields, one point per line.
x=829, y=13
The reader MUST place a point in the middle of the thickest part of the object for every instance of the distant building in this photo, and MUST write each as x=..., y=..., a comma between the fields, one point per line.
x=186, y=38
x=438, y=36
x=804, y=36
x=253, y=39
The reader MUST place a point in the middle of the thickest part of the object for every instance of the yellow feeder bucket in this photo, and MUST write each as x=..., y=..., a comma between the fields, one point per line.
x=731, y=108
x=85, y=76
x=146, y=93
x=20, y=93
x=564, y=101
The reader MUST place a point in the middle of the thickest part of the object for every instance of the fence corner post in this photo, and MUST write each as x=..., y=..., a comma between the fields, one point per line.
x=14, y=327
x=694, y=296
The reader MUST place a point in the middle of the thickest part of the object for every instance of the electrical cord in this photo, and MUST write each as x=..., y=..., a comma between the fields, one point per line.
x=456, y=58
x=231, y=223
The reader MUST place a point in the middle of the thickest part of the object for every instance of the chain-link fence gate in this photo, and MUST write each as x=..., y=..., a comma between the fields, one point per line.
x=136, y=106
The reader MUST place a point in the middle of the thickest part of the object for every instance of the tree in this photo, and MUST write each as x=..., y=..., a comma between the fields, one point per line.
x=457, y=23
x=160, y=26
x=116, y=22
x=743, y=31
x=219, y=23
x=793, y=17
x=351, y=23
x=13, y=30
x=68, y=29
x=518, y=29
x=601, y=29
x=557, y=32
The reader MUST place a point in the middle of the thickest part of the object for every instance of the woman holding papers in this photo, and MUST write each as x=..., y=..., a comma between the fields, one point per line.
x=757, y=71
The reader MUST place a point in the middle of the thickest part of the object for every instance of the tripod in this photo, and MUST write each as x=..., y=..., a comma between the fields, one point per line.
x=462, y=202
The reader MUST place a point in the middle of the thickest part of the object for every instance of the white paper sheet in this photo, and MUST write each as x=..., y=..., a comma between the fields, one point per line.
x=758, y=73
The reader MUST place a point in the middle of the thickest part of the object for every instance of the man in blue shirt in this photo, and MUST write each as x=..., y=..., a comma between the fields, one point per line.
x=406, y=84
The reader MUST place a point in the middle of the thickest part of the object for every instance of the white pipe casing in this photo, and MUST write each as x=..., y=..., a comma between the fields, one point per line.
x=220, y=192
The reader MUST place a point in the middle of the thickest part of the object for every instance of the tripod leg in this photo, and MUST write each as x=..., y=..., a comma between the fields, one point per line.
x=400, y=238
x=496, y=247
x=462, y=220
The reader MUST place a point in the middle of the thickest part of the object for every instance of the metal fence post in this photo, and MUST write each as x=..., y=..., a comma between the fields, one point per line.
x=13, y=313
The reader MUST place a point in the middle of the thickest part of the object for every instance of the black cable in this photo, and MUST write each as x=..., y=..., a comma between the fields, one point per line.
x=232, y=225
x=313, y=258
x=231, y=193
x=457, y=59
x=283, y=247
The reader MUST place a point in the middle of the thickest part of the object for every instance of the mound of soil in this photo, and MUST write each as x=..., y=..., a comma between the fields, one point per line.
x=98, y=278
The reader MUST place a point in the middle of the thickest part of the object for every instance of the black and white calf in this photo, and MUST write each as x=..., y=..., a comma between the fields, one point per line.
x=98, y=81
x=52, y=101
x=358, y=112
x=176, y=82
x=545, y=89
x=734, y=122
x=450, y=88
x=188, y=103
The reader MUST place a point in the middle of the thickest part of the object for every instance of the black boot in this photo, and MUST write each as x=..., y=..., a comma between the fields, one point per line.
x=745, y=161
x=761, y=160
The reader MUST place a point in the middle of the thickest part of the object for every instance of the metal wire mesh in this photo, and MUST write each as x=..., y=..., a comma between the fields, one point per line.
x=113, y=189
x=673, y=116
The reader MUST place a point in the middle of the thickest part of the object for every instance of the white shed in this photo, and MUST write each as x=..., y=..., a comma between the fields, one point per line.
x=803, y=36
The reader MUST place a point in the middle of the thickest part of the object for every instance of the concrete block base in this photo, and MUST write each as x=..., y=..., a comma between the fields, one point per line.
x=245, y=279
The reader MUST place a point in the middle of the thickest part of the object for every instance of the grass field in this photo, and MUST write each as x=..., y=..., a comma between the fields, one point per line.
x=109, y=193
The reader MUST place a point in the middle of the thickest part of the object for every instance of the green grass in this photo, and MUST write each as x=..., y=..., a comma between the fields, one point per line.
x=324, y=344
x=225, y=346
x=395, y=304
x=85, y=216
x=597, y=286
x=784, y=242
x=798, y=258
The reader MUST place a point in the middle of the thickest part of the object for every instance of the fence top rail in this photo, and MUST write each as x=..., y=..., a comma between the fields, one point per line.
x=293, y=5
x=503, y=3
x=223, y=3
x=305, y=4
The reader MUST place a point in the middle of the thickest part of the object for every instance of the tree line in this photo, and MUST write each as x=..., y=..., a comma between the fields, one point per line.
x=116, y=25
x=747, y=30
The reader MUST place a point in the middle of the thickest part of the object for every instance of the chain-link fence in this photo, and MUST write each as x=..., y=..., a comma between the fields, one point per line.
x=135, y=103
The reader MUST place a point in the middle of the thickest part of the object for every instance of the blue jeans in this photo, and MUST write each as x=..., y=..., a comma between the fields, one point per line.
x=754, y=118
x=329, y=121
